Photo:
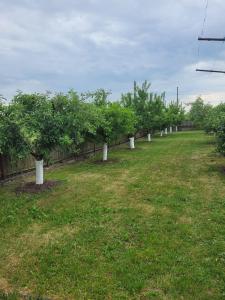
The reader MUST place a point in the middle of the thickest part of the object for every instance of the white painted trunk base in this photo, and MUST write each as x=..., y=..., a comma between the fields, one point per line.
x=166, y=131
x=105, y=152
x=176, y=128
x=132, y=143
x=171, y=129
x=39, y=164
x=149, y=137
x=161, y=134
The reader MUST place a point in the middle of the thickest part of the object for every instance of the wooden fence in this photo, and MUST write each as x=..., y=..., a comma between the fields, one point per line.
x=186, y=125
x=10, y=168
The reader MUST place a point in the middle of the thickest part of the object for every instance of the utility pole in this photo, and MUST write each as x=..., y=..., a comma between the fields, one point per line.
x=210, y=71
x=135, y=90
x=211, y=40
x=177, y=95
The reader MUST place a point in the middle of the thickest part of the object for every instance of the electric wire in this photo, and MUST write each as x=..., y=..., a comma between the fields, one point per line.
x=203, y=25
x=205, y=17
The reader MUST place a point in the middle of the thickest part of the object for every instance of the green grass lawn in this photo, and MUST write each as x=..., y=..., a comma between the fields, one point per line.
x=148, y=226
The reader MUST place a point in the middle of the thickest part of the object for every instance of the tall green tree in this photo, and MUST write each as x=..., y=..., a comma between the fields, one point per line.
x=175, y=114
x=40, y=128
x=213, y=118
x=79, y=119
x=98, y=97
x=148, y=107
x=215, y=123
x=117, y=122
x=198, y=113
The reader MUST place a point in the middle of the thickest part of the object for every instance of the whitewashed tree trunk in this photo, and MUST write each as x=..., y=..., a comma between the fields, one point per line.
x=105, y=152
x=161, y=134
x=149, y=137
x=166, y=131
x=39, y=164
x=131, y=143
x=176, y=128
x=171, y=129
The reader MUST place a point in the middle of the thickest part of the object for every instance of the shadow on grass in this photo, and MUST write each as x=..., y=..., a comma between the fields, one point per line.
x=107, y=162
x=130, y=150
x=209, y=142
x=217, y=168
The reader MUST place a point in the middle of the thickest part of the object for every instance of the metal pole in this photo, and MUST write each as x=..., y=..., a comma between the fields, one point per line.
x=212, y=39
x=210, y=71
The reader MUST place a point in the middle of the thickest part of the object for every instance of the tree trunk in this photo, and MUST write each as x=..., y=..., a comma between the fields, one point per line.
x=131, y=143
x=39, y=171
x=166, y=131
x=105, y=152
x=2, y=176
x=161, y=134
x=149, y=137
x=176, y=128
x=171, y=129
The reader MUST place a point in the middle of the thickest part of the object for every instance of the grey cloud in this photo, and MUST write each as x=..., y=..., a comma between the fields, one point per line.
x=57, y=45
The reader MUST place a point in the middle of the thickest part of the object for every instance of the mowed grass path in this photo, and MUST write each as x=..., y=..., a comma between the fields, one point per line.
x=148, y=226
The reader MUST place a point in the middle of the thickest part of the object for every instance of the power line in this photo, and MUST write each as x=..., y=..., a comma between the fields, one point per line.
x=205, y=17
x=203, y=24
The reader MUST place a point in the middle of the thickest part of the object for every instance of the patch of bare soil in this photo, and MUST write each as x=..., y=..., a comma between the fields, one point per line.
x=33, y=188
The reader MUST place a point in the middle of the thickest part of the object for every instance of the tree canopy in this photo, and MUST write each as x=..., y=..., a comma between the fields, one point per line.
x=198, y=113
x=117, y=121
x=36, y=123
x=39, y=127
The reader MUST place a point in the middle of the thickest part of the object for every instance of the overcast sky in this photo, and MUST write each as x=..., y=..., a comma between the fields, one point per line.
x=88, y=44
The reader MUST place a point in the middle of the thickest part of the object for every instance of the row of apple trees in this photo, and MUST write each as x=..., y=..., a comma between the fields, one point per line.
x=38, y=123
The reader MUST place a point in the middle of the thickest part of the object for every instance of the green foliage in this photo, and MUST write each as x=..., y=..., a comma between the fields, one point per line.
x=148, y=107
x=214, y=118
x=39, y=127
x=46, y=122
x=79, y=120
x=175, y=114
x=156, y=113
x=221, y=135
x=39, y=122
x=11, y=142
x=199, y=112
x=215, y=123
x=99, y=97
x=117, y=122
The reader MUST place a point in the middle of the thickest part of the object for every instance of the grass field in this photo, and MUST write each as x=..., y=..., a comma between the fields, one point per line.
x=148, y=226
